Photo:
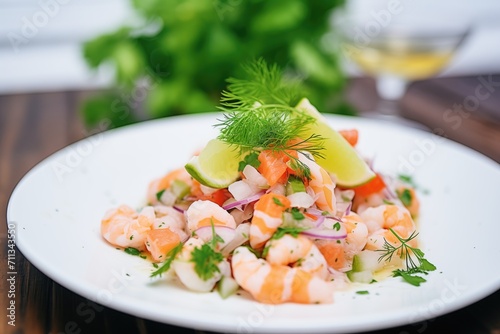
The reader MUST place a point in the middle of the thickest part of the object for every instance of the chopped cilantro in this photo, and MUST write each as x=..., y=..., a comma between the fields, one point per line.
x=336, y=226
x=132, y=251
x=251, y=159
x=168, y=262
x=159, y=194
x=277, y=201
x=281, y=231
x=405, y=197
x=362, y=292
x=296, y=214
x=205, y=260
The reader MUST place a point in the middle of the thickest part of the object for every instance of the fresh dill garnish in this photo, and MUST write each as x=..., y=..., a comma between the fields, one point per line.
x=264, y=85
x=260, y=114
x=413, y=266
x=171, y=255
x=206, y=258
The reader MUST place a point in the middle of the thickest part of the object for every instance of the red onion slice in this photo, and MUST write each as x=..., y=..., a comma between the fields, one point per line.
x=244, y=201
x=320, y=221
x=318, y=213
x=178, y=209
x=329, y=234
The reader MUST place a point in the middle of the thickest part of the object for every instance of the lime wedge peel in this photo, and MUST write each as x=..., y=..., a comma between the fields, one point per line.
x=216, y=166
x=340, y=158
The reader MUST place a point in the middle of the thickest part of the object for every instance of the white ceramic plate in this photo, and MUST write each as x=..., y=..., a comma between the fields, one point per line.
x=58, y=205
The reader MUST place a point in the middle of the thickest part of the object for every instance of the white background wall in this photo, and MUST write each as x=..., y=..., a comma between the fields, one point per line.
x=47, y=56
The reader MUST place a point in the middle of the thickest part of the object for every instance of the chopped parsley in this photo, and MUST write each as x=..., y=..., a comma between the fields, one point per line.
x=251, y=159
x=296, y=214
x=159, y=194
x=206, y=258
x=405, y=197
x=277, y=201
x=132, y=250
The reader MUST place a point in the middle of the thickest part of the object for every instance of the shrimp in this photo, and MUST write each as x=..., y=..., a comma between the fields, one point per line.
x=165, y=182
x=300, y=251
x=125, y=227
x=321, y=185
x=168, y=217
x=384, y=217
x=267, y=217
x=185, y=269
x=275, y=284
x=340, y=253
x=205, y=213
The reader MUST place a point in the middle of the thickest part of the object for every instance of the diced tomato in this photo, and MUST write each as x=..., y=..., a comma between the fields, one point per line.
x=351, y=135
x=373, y=186
x=218, y=197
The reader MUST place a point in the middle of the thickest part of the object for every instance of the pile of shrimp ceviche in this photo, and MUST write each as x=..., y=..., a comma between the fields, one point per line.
x=278, y=208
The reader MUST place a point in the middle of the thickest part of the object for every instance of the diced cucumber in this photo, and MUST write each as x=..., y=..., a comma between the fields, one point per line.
x=294, y=185
x=360, y=276
x=179, y=189
x=366, y=260
x=227, y=286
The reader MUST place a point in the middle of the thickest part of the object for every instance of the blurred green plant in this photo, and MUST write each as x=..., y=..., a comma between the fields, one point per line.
x=178, y=60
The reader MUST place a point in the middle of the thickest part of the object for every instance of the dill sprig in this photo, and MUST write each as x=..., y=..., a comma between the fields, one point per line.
x=269, y=129
x=260, y=114
x=264, y=86
x=415, y=262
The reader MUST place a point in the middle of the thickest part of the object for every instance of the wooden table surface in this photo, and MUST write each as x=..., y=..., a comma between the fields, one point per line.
x=33, y=126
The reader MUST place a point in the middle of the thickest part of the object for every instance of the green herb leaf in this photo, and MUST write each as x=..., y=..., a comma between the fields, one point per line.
x=405, y=197
x=132, y=251
x=336, y=226
x=408, y=277
x=362, y=292
x=206, y=261
x=170, y=257
x=260, y=113
x=296, y=214
x=408, y=253
x=277, y=201
x=251, y=159
x=159, y=194
x=281, y=231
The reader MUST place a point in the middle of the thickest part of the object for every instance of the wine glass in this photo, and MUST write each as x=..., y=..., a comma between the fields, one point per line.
x=396, y=48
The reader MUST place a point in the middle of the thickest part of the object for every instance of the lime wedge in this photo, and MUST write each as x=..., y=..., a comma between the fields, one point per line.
x=340, y=158
x=216, y=166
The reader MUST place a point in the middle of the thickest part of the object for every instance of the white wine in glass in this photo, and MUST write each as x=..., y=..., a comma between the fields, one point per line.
x=401, y=49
